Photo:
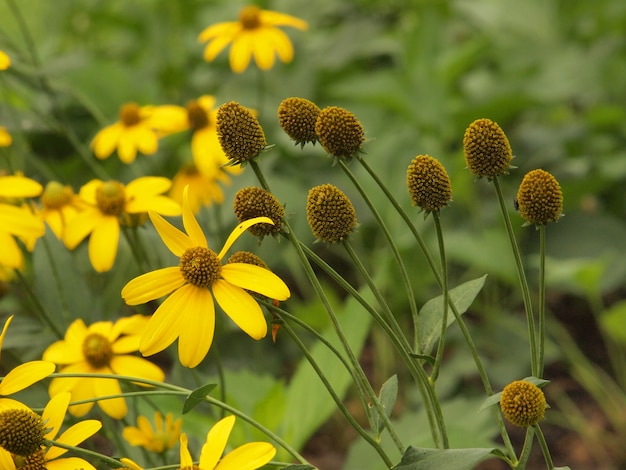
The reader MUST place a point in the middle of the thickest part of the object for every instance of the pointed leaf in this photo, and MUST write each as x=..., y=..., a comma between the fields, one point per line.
x=439, y=459
x=387, y=398
x=196, y=397
x=432, y=312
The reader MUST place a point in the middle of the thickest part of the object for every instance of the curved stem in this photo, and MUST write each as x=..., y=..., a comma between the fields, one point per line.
x=532, y=336
x=113, y=463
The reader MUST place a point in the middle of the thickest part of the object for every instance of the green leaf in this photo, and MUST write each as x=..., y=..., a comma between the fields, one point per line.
x=613, y=322
x=387, y=398
x=416, y=458
x=432, y=312
x=196, y=397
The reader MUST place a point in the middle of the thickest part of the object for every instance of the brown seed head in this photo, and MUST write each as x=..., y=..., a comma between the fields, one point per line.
x=297, y=117
x=486, y=148
x=428, y=183
x=539, y=198
x=330, y=213
x=523, y=403
x=239, y=132
x=339, y=131
x=254, y=202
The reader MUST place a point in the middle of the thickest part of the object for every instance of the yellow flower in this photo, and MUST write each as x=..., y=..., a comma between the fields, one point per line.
x=5, y=137
x=133, y=132
x=59, y=205
x=17, y=221
x=204, y=189
x=48, y=458
x=164, y=436
x=250, y=456
x=189, y=312
x=21, y=377
x=103, y=348
x=111, y=203
x=5, y=61
x=254, y=34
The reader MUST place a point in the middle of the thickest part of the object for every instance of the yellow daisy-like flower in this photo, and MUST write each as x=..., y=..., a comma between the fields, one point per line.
x=204, y=189
x=5, y=137
x=5, y=60
x=250, y=456
x=21, y=377
x=48, y=458
x=133, y=132
x=111, y=203
x=59, y=205
x=254, y=34
x=102, y=348
x=164, y=436
x=189, y=312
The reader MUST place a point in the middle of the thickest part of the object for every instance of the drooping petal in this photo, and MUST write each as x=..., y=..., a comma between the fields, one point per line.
x=15, y=186
x=249, y=456
x=164, y=326
x=239, y=229
x=279, y=42
x=54, y=413
x=103, y=243
x=81, y=226
x=25, y=375
x=105, y=141
x=74, y=436
x=4, y=330
x=217, y=45
x=69, y=463
x=136, y=367
x=263, y=50
x=241, y=308
x=192, y=227
x=276, y=18
x=174, y=239
x=256, y=279
x=185, y=457
x=219, y=29
x=241, y=51
x=215, y=443
x=197, y=327
x=114, y=407
x=152, y=285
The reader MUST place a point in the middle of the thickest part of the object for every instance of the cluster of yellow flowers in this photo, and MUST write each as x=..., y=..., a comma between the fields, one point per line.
x=89, y=358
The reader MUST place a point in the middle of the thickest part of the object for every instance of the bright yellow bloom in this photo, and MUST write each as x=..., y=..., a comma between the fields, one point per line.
x=5, y=61
x=204, y=190
x=5, y=137
x=48, y=458
x=103, y=348
x=133, y=132
x=21, y=377
x=129, y=464
x=59, y=205
x=254, y=34
x=189, y=312
x=17, y=221
x=111, y=203
x=246, y=457
x=164, y=436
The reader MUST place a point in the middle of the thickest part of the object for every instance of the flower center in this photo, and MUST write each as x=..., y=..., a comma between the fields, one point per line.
x=249, y=17
x=200, y=266
x=35, y=461
x=129, y=114
x=97, y=350
x=21, y=431
x=56, y=195
x=111, y=198
x=197, y=116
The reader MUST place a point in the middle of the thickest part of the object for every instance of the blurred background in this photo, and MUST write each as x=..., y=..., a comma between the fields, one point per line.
x=416, y=73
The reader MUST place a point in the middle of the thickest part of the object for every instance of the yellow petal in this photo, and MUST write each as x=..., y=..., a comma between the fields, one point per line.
x=54, y=413
x=241, y=308
x=10, y=404
x=159, y=204
x=18, y=187
x=69, y=463
x=6, y=461
x=239, y=229
x=25, y=375
x=136, y=367
x=81, y=226
x=4, y=330
x=192, y=227
x=217, y=45
x=174, y=239
x=197, y=327
x=114, y=407
x=147, y=186
x=241, y=51
x=129, y=464
x=256, y=279
x=103, y=243
x=5, y=137
x=152, y=285
x=219, y=29
x=168, y=119
x=215, y=443
x=74, y=436
x=146, y=139
x=105, y=141
x=279, y=42
x=10, y=256
x=275, y=18
x=164, y=326
x=20, y=221
x=248, y=457
x=185, y=457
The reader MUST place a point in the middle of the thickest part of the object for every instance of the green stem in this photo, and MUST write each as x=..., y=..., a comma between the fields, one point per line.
x=40, y=309
x=113, y=463
x=528, y=445
x=542, y=299
x=394, y=249
x=544, y=447
x=444, y=319
x=335, y=397
x=532, y=336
